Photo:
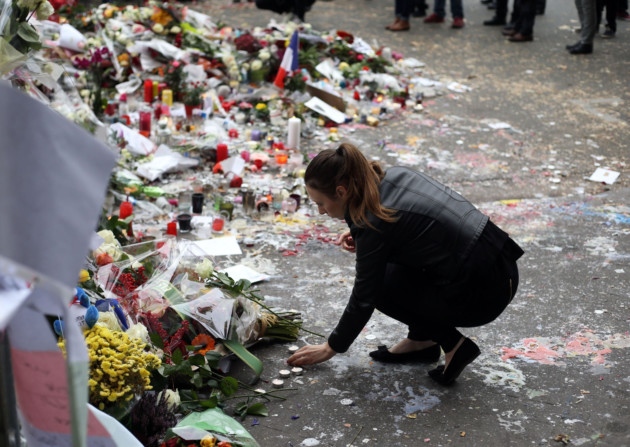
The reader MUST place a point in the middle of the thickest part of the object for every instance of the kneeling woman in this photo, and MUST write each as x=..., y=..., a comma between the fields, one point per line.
x=425, y=256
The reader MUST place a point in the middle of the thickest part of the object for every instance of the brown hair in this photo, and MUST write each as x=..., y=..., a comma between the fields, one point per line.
x=348, y=167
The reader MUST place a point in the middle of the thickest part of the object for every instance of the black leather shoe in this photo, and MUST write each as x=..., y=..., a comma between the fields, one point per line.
x=428, y=355
x=495, y=21
x=583, y=48
x=465, y=354
x=571, y=46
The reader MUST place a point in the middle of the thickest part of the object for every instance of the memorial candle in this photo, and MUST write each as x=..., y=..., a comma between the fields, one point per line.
x=222, y=152
x=148, y=91
x=126, y=210
x=293, y=137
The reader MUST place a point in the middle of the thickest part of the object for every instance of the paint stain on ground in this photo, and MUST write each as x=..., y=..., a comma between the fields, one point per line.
x=552, y=351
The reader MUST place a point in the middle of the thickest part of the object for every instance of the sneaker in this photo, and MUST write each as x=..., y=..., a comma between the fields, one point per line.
x=458, y=22
x=608, y=34
x=623, y=15
x=434, y=18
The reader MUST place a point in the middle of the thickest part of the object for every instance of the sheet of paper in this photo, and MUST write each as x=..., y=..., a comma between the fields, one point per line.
x=322, y=108
x=220, y=246
x=241, y=271
x=57, y=174
x=604, y=175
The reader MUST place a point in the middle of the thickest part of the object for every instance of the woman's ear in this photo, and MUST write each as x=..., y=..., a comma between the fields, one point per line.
x=341, y=191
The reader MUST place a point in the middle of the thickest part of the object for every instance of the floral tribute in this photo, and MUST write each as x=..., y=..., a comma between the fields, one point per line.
x=158, y=320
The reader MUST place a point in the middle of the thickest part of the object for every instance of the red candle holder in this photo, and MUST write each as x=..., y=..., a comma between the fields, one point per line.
x=145, y=123
x=148, y=91
x=171, y=228
x=217, y=224
x=233, y=133
x=126, y=210
x=222, y=152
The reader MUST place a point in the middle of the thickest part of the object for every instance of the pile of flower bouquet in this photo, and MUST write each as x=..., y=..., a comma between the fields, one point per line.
x=158, y=321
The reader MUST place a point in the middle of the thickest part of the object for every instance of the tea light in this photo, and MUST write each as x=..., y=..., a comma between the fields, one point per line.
x=293, y=349
x=297, y=371
x=277, y=383
x=284, y=373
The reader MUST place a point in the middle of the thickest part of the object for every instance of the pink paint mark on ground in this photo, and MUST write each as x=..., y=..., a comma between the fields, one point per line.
x=532, y=350
x=584, y=343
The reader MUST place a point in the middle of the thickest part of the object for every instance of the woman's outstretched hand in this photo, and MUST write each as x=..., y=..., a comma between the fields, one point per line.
x=311, y=354
x=346, y=242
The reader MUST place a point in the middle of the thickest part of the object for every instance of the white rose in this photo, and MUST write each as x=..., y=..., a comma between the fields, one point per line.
x=204, y=268
x=172, y=397
x=256, y=65
x=139, y=331
x=29, y=4
x=264, y=55
x=108, y=236
x=158, y=28
x=109, y=320
x=44, y=11
x=176, y=30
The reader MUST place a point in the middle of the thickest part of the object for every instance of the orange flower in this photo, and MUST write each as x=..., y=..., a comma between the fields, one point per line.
x=204, y=340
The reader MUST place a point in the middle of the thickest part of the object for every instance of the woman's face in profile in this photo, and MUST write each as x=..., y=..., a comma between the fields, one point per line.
x=335, y=206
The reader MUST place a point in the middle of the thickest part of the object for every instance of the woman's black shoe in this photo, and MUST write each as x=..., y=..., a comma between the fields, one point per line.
x=465, y=354
x=431, y=354
x=574, y=45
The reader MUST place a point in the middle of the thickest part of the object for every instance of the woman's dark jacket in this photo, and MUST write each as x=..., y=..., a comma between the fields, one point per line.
x=434, y=233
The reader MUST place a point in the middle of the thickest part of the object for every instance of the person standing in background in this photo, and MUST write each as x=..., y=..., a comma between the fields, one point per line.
x=612, y=7
x=402, y=10
x=523, y=29
x=439, y=12
x=587, y=13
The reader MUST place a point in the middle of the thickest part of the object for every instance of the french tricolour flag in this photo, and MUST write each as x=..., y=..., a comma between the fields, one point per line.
x=289, y=61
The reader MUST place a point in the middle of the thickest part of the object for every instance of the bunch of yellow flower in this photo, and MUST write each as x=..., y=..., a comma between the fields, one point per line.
x=119, y=366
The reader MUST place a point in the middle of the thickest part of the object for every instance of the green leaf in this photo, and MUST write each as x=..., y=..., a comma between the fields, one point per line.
x=197, y=380
x=177, y=357
x=228, y=386
x=258, y=409
x=247, y=357
x=212, y=402
x=156, y=340
x=28, y=33
x=197, y=360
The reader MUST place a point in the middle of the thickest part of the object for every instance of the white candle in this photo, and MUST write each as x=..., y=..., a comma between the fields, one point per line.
x=293, y=137
x=277, y=383
x=293, y=349
x=284, y=373
x=297, y=371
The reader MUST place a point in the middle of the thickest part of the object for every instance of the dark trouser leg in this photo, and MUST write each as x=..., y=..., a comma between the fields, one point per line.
x=502, y=9
x=434, y=312
x=611, y=14
x=527, y=17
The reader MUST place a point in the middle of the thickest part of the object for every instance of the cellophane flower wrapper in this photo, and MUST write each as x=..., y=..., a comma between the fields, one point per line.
x=140, y=279
x=216, y=423
x=225, y=317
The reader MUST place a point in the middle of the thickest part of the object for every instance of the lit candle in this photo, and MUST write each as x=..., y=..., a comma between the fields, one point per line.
x=284, y=373
x=297, y=371
x=282, y=157
x=156, y=89
x=217, y=224
x=277, y=383
x=293, y=137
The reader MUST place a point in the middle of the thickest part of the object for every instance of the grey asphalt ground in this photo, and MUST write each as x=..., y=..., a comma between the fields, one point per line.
x=555, y=367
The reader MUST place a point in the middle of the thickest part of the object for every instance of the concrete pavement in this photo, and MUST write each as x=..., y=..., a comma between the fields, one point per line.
x=555, y=367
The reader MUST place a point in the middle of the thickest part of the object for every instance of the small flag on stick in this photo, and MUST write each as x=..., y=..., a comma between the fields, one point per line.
x=289, y=61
